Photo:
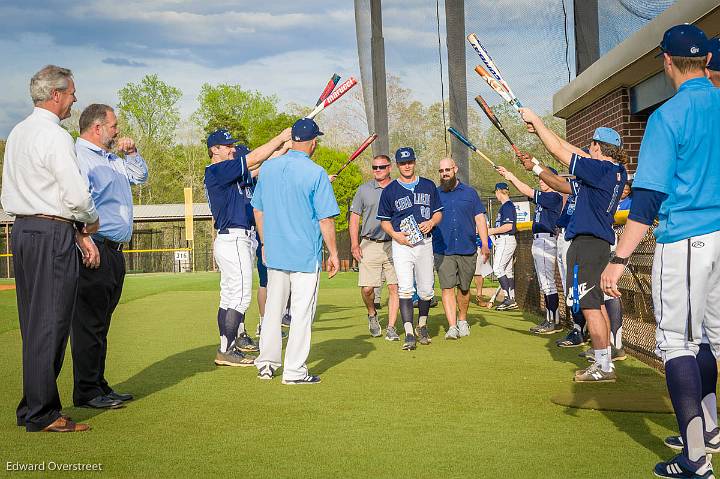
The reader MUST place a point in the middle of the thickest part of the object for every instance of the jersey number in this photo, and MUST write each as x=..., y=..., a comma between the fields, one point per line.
x=425, y=212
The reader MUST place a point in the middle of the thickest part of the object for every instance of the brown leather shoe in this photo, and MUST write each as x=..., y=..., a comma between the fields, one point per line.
x=63, y=424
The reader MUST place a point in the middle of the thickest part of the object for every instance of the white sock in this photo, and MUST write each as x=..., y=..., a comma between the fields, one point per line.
x=408, y=328
x=602, y=358
x=422, y=321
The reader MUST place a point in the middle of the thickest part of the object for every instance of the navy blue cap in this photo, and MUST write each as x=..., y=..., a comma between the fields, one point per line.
x=713, y=46
x=404, y=154
x=501, y=186
x=305, y=129
x=684, y=41
x=220, y=137
x=607, y=135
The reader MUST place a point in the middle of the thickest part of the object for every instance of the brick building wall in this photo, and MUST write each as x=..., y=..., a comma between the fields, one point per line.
x=613, y=110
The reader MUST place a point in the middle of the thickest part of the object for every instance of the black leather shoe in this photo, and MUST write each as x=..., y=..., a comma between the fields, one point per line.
x=103, y=402
x=119, y=396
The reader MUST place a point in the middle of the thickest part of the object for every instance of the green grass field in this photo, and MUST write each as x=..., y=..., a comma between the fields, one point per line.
x=478, y=407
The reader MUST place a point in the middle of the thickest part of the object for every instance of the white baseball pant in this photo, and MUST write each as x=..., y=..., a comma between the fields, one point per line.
x=544, y=251
x=482, y=267
x=303, y=302
x=686, y=295
x=414, y=264
x=504, y=250
x=235, y=256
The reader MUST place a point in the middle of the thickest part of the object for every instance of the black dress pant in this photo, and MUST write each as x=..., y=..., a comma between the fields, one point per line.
x=99, y=292
x=46, y=277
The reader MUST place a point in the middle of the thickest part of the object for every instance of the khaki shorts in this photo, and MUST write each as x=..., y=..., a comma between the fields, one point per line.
x=455, y=270
x=376, y=264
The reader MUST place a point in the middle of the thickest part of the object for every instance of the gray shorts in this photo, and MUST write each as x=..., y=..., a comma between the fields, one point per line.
x=455, y=270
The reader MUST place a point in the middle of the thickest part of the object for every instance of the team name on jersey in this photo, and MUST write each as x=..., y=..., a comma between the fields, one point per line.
x=405, y=202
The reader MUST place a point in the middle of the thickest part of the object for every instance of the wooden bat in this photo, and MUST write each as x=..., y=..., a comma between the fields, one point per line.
x=492, y=68
x=333, y=97
x=469, y=144
x=494, y=120
x=494, y=84
x=357, y=152
x=328, y=88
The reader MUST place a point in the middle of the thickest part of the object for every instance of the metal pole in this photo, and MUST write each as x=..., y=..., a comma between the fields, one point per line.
x=380, y=108
x=457, y=80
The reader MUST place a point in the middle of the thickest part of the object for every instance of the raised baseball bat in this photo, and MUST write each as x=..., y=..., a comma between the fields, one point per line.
x=357, y=152
x=469, y=144
x=328, y=88
x=494, y=120
x=492, y=67
x=334, y=96
x=493, y=83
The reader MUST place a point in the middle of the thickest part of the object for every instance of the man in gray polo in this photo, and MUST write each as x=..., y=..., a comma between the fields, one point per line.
x=374, y=251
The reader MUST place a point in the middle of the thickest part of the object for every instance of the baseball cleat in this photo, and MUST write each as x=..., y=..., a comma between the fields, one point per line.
x=409, y=343
x=534, y=329
x=306, y=380
x=573, y=339
x=266, y=372
x=712, y=442
x=452, y=333
x=549, y=327
x=391, y=334
x=463, y=328
x=679, y=467
x=234, y=357
x=507, y=305
x=374, y=326
x=423, y=336
x=595, y=374
x=245, y=344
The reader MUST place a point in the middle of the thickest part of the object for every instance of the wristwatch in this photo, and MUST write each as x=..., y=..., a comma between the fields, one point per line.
x=614, y=259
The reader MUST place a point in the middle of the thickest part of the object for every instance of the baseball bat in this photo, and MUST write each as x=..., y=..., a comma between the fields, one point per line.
x=469, y=144
x=357, y=152
x=333, y=97
x=494, y=120
x=493, y=83
x=328, y=88
x=492, y=67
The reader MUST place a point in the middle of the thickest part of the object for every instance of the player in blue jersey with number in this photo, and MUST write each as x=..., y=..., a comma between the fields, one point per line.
x=503, y=236
x=544, y=248
x=228, y=185
x=678, y=182
x=416, y=198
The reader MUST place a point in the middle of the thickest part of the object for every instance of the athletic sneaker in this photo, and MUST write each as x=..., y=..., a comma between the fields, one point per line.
x=233, y=357
x=306, y=380
x=595, y=374
x=680, y=467
x=507, y=305
x=266, y=372
x=712, y=442
x=374, y=326
x=423, y=336
x=452, y=333
x=549, y=327
x=535, y=328
x=573, y=339
x=409, y=343
x=391, y=334
x=463, y=328
x=286, y=320
x=245, y=344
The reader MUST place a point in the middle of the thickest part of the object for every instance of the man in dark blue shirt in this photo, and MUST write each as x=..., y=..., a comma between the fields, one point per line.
x=454, y=245
x=505, y=244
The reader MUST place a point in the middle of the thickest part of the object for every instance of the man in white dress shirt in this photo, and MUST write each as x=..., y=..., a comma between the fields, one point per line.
x=43, y=188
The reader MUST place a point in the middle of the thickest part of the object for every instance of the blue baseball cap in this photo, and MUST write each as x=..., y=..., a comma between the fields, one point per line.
x=684, y=41
x=607, y=135
x=501, y=186
x=404, y=154
x=305, y=129
x=220, y=137
x=713, y=46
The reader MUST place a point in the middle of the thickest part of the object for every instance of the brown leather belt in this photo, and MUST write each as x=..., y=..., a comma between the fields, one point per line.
x=47, y=217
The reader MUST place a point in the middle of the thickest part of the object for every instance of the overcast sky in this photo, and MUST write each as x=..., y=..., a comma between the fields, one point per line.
x=282, y=47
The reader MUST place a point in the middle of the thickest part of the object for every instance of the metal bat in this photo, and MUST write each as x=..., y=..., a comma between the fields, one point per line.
x=492, y=68
x=493, y=83
x=469, y=144
x=333, y=97
x=494, y=120
x=357, y=152
x=328, y=88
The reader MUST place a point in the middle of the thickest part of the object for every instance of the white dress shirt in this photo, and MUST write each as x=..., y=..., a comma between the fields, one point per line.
x=41, y=173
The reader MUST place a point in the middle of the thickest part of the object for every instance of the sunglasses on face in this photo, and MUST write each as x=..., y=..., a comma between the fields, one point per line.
x=379, y=167
x=445, y=170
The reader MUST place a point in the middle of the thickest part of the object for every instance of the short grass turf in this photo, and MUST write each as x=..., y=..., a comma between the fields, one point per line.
x=477, y=407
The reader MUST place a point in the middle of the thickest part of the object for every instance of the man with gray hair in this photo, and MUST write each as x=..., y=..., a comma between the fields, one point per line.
x=103, y=273
x=43, y=189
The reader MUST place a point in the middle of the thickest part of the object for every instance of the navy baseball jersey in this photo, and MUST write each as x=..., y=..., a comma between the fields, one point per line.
x=602, y=183
x=569, y=207
x=400, y=200
x=507, y=215
x=547, y=211
x=227, y=185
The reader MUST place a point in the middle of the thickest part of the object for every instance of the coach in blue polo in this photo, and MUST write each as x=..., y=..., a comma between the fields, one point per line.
x=295, y=210
x=454, y=245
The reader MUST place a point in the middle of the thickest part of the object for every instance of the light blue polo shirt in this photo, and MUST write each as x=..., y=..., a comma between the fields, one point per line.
x=294, y=194
x=680, y=156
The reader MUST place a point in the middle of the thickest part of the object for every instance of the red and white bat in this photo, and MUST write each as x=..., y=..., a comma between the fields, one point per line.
x=492, y=68
x=328, y=88
x=334, y=96
x=357, y=152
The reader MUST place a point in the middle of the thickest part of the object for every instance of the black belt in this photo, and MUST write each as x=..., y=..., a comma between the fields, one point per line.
x=226, y=231
x=113, y=245
x=537, y=235
x=377, y=240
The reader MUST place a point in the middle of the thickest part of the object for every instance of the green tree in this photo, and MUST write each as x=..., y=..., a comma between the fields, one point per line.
x=149, y=110
x=344, y=185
